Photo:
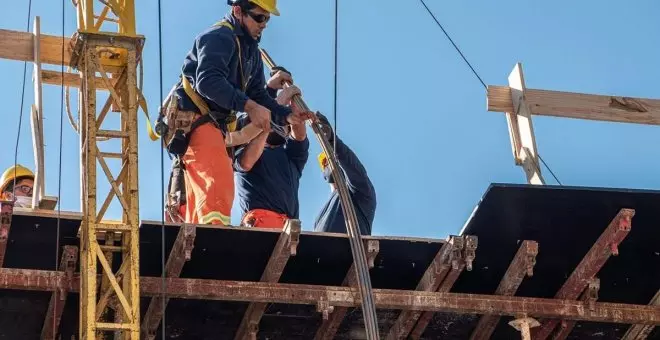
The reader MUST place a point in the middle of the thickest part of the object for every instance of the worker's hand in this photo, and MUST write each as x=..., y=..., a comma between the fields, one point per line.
x=278, y=79
x=299, y=117
x=285, y=96
x=259, y=115
x=326, y=128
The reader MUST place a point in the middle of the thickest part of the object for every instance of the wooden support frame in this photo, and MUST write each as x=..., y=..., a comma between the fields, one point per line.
x=125, y=284
x=331, y=324
x=641, y=332
x=593, y=261
x=284, y=248
x=459, y=262
x=58, y=299
x=521, y=266
x=181, y=253
x=6, y=212
x=201, y=289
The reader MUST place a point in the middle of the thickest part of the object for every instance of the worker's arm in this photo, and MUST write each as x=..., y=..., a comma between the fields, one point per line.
x=214, y=51
x=257, y=92
x=246, y=156
x=297, y=146
x=355, y=174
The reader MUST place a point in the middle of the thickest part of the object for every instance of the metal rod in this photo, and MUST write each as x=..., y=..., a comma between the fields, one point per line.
x=352, y=228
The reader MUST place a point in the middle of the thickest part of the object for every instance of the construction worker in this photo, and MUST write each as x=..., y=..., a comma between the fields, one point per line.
x=363, y=194
x=268, y=170
x=16, y=185
x=221, y=75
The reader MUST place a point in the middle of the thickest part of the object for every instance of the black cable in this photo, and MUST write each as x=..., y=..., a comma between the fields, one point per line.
x=452, y=42
x=334, y=131
x=59, y=176
x=162, y=171
x=20, y=112
x=477, y=75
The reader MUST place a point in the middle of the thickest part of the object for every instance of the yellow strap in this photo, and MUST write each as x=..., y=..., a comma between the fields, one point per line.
x=143, y=105
x=197, y=99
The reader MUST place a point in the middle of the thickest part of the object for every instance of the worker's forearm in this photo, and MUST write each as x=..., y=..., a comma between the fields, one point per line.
x=252, y=152
x=299, y=132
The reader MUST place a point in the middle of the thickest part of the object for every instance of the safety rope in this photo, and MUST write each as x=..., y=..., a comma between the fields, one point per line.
x=59, y=174
x=481, y=80
x=162, y=173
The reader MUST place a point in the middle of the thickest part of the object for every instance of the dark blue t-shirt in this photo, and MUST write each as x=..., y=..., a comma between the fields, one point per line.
x=272, y=183
x=363, y=195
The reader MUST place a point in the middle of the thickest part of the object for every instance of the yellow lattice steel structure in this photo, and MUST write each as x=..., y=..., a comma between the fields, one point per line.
x=114, y=305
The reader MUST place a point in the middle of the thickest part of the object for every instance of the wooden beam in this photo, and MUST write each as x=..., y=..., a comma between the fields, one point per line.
x=37, y=120
x=579, y=105
x=589, y=295
x=284, y=248
x=329, y=326
x=521, y=266
x=71, y=79
x=606, y=245
x=181, y=253
x=58, y=298
x=459, y=303
x=16, y=45
x=641, y=332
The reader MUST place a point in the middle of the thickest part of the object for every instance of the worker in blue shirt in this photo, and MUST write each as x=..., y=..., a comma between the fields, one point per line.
x=268, y=169
x=363, y=194
x=222, y=74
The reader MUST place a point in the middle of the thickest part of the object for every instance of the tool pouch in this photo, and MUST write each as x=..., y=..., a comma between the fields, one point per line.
x=174, y=125
x=176, y=192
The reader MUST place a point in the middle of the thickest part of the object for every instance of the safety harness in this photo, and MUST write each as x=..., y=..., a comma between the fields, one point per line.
x=175, y=131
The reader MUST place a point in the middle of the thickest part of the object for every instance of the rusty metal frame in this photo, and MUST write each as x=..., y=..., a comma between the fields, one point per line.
x=606, y=245
x=285, y=247
x=6, y=212
x=58, y=298
x=181, y=253
x=460, y=303
x=460, y=261
x=332, y=321
x=641, y=332
x=521, y=266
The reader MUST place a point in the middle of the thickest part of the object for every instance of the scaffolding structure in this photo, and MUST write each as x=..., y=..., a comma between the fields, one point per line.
x=110, y=291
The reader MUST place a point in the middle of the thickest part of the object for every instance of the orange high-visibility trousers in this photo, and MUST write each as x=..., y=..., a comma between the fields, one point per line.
x=261, y=218
x=209, y=178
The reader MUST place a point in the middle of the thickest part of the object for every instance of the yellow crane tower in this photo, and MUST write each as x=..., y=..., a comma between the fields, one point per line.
x=113, y=55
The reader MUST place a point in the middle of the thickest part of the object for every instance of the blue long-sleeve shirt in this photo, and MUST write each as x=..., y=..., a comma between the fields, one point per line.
x=212, y=69
x=363, y=195
x=272, y=182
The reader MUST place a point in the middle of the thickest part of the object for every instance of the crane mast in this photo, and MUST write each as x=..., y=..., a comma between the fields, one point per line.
x=107, y=61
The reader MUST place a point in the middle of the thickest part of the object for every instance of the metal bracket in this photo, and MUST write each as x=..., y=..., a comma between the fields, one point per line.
x=470, y=249
x=456, y=257
x=523, y=325
x=323, y=306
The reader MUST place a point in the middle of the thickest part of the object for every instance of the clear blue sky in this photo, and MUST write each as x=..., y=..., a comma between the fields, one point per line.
x=407, y=104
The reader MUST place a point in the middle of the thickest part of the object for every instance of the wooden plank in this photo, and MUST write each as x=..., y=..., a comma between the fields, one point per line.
x=330, y=325
x=579, y=105
x=521, y=266
x=284, y=248
x=70, y=79
x=18, y=45
x=38, y=119
x=641, y=332
x=58, y=298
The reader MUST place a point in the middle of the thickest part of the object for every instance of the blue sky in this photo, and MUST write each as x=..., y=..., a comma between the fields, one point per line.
x=407, y=104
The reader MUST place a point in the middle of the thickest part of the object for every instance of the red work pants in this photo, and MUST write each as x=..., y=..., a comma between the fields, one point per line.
x=261, y=218
x=209, y=178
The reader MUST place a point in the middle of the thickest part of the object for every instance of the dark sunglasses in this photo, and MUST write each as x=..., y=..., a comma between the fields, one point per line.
x=260, y=18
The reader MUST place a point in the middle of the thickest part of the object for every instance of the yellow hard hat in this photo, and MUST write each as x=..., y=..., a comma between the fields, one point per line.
x=268, y=5
x=17, y=172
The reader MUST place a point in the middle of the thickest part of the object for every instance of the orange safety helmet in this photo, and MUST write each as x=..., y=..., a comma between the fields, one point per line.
x=268, y=5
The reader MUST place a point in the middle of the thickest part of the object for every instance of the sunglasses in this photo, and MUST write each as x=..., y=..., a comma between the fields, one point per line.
x=260, y=18
x=25, y=189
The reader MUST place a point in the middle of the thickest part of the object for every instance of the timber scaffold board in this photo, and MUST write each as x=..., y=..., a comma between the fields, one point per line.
x=554, y=234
